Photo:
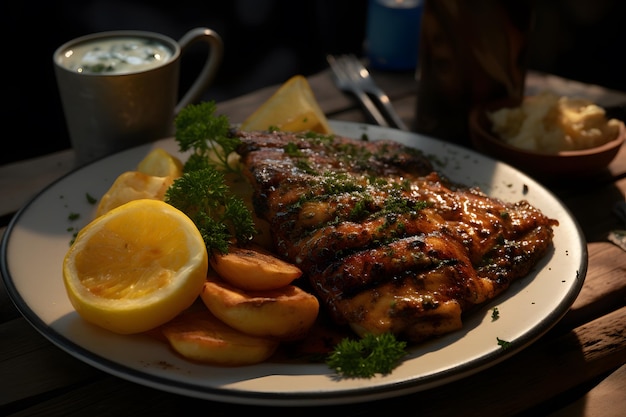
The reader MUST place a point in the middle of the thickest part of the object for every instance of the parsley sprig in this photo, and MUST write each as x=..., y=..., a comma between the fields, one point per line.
x=219, y=216
x=201, y=192
x=208, y=135
x=366, y=357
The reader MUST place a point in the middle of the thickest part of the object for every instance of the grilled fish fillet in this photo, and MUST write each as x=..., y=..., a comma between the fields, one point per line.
x=387, y=243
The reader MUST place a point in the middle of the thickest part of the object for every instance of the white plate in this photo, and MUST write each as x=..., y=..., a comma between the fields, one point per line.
x=39, y=235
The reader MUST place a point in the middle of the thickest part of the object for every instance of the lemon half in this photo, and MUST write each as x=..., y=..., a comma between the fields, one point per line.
x=135, y=267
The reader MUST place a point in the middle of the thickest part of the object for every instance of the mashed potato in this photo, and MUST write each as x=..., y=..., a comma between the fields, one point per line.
x=549, y=123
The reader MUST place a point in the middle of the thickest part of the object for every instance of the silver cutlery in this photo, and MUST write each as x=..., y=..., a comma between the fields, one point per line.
x=352, y=76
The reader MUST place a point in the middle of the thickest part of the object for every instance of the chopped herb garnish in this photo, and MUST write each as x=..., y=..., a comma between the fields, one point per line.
x=73, y=238
x=90, y=198
x=361, y=208
x=495, y=314
x=503, y=343
x=305, y=167
x=292, y=150
x=368, y=356
x=73, y=216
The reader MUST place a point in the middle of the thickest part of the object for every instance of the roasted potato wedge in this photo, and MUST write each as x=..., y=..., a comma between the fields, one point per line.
x=254, y=269
x=286, y=313
x=200, y=336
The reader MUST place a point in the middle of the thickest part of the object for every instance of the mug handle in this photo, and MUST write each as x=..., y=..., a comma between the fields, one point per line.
x=210, y=68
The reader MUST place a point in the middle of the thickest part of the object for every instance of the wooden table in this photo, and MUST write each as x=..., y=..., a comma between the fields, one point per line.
x=576, y=369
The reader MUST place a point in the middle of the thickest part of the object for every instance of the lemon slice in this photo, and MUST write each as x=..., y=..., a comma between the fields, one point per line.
x=292, y=108
x=133, y=185
x=135, y=267
x=161, y=163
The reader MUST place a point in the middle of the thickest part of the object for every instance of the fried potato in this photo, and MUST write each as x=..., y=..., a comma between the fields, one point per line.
x=254, y=269
x=286, y=313
x=200, y=336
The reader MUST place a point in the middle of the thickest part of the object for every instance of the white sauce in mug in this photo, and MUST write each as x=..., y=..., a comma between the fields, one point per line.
x=116, y=56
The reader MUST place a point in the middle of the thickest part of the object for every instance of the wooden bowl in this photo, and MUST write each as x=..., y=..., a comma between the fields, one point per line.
x=564, y=163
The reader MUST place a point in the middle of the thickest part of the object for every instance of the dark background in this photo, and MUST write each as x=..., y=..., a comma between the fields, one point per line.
x=266, y=42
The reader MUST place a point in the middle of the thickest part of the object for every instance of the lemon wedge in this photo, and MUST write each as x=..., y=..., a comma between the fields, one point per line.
x=292, y=108
x=161, y=163
x=133, y=185
x=135, y=267
x=154, y=175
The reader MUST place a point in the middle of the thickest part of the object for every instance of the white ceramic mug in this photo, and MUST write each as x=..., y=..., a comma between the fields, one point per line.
x=119, y=89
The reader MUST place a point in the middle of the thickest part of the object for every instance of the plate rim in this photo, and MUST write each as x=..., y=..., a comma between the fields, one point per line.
x=341, y=396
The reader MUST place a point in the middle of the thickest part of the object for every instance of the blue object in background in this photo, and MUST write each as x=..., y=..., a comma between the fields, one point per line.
x=392, y=34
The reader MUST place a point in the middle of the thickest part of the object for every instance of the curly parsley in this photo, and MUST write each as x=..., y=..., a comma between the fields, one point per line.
x=208, y=135
x=366, y=357
x=201, y=192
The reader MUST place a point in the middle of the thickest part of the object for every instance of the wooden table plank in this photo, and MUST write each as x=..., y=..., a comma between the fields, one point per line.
x=604, y=289
x=56, y=369
x=607, y=399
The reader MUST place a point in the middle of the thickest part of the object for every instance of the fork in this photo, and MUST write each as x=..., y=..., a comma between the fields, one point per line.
x=351, y=75
x=346, y=81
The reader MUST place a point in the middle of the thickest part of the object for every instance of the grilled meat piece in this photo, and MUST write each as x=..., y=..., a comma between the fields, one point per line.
x=387, y=243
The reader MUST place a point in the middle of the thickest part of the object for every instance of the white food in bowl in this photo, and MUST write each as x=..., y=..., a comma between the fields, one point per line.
x=549, y=123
